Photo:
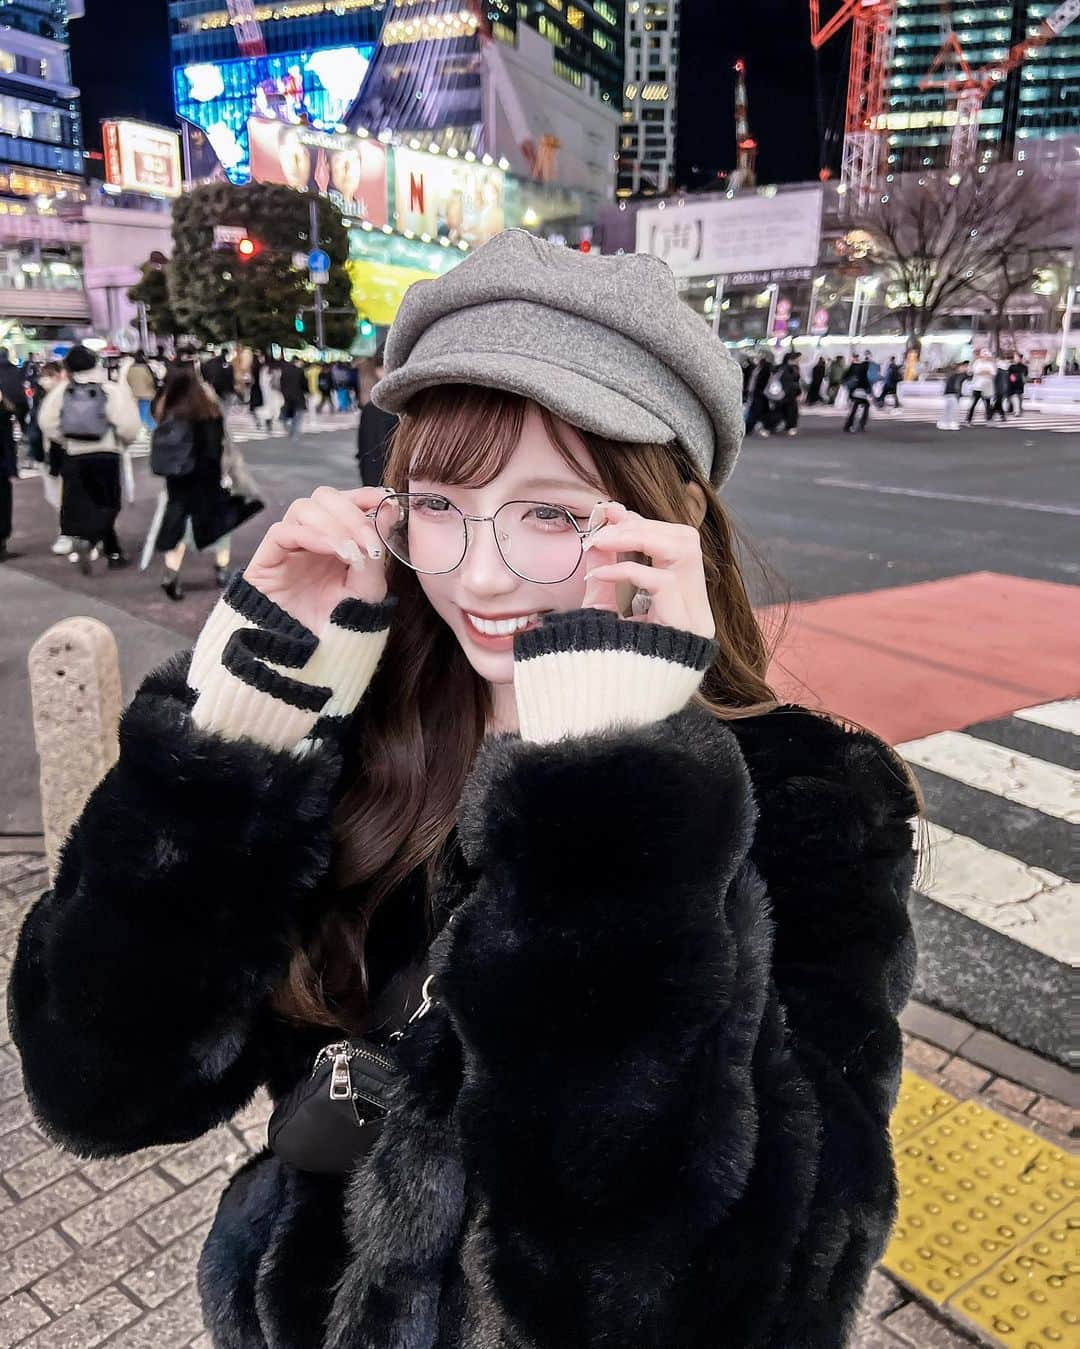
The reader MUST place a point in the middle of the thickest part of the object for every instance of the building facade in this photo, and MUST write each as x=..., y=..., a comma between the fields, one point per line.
x=1033, y=112
x=649, y=110
x=40, y=132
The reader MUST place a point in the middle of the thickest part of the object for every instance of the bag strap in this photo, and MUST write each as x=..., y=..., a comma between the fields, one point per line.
x=403, y=1000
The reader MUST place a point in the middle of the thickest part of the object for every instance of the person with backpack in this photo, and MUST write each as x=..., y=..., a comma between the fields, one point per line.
x=93, y=419
x=187, y=450
x=786, y=409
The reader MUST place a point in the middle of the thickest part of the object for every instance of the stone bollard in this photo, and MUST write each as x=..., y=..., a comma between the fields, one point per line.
x=75, y=691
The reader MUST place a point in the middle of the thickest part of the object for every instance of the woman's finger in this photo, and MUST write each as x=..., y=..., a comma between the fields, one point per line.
x=288, y=537
x=352, y=519
x=669, y=603
x=667, y=544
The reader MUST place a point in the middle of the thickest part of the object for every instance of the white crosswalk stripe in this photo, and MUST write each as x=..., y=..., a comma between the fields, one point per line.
x=1015, y=896
x=1060, y=716
x=1005, y=772
x=1062, y=423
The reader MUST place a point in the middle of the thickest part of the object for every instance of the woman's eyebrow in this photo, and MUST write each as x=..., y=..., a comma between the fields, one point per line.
x=555, y=484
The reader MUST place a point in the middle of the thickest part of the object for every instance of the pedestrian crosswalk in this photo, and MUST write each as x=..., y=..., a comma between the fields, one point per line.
x=997, y=908
x=930, y=412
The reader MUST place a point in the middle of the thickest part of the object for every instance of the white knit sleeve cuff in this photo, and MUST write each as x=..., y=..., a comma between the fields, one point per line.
x=261, y=675
x=590, y=671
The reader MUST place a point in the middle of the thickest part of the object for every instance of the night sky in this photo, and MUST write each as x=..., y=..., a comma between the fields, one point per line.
x=120, y=54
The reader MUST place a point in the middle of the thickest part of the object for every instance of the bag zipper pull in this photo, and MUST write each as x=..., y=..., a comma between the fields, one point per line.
x=341, y=1079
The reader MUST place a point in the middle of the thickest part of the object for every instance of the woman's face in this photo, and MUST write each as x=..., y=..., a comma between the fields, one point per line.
x=483, y=586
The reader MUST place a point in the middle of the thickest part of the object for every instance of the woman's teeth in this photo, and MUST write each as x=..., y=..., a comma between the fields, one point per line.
x=502, y=627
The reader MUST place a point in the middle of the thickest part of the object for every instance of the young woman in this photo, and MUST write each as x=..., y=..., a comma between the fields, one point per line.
x=198, y=506
x=512, y=713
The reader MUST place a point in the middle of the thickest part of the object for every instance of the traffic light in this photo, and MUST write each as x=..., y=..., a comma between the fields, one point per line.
x=247, y=248
x=367, y=328
x=585, y=246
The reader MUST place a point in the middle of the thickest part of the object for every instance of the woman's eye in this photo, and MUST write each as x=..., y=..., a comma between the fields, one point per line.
x=431, y=505
x=551, y=517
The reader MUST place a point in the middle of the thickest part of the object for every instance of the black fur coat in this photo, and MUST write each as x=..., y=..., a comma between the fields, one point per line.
x=650, y=1107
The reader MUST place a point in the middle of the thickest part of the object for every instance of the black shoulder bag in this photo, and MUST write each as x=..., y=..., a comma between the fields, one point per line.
x=332, y=1119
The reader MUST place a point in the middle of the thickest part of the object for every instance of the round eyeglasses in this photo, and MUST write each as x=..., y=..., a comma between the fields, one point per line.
x=537, y=541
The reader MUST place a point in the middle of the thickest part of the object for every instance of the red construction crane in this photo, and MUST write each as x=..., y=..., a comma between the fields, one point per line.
x=744, y=141
x=864, y=145
x=972, y=86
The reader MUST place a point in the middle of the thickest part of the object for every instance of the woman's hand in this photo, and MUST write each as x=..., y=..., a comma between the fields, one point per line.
x=325, y=550
x=673, y=577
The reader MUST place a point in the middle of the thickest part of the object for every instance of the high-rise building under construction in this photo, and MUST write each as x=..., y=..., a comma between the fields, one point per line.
x=1021, y=79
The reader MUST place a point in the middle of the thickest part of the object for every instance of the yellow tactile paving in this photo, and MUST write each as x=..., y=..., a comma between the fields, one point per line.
x=989, y=1224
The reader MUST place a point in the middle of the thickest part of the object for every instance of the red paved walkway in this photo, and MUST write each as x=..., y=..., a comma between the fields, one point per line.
x=933, y=657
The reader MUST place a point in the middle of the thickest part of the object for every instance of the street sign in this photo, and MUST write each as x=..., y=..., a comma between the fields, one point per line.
x=225, y=235
x=318, y=261
x=320, y=278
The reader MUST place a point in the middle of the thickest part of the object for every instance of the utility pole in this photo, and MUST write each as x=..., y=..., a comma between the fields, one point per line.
x=320, y=327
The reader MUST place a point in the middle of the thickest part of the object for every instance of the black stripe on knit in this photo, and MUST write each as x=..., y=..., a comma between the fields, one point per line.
x=598, y=630
x=360, y=616
x=252, y=604
x=241, y=660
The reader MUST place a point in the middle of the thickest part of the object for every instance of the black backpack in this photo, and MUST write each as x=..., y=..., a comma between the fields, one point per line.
x=84, y=414
x=172, y=448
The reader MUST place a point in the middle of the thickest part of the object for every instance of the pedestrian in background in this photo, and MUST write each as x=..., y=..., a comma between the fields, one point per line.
x=787, y=410
x=143, y=384
x=255, y=393
x=1001, y=391
x=982, y=385
x=814, y=388
x=188, y=451
x=14, y=407
x=860, y=391
x=1018, y=373
x=324, y=383
x=339, y=376
x=272, y=403
x=221, y=377
x=373, y=439
x=836, y=378
x=954, y=387
x=758, y=411
x=48, y=454
x=294, y=395
x=890, y=384
x=94, y=419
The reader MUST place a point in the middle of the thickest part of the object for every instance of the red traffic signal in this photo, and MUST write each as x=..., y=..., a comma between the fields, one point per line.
x=585, y=246
x=247, y=249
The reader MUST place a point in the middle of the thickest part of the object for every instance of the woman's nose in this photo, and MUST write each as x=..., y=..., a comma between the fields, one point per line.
x=483, y=571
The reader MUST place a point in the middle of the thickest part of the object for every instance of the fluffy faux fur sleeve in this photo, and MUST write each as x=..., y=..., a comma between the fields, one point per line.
x=139, y=992
x=675, y=989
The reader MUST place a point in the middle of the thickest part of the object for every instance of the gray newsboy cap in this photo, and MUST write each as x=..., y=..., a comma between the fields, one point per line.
x=604, y=342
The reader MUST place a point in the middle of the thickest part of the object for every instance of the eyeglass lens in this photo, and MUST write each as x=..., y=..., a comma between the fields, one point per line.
x=537, y=541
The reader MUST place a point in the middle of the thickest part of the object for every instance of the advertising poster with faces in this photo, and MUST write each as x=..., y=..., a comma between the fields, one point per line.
x=349, y=170
x=448, y=198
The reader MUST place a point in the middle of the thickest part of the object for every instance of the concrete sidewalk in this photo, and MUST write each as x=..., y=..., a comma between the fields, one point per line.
x=29, y=606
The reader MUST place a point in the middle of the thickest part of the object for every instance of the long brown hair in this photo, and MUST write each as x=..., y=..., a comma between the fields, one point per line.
x=186, y=396
x=427, y=710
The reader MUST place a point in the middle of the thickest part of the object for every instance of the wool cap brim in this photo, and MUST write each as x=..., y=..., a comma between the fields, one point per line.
x=603, y=342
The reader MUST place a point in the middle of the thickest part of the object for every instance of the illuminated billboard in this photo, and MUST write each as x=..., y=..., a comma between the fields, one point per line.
x=349, y=170
x=142, y=158
x=313, y=88
x=382, y=268
x=447, y=198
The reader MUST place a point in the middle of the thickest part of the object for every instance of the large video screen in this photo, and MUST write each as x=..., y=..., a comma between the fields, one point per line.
x=315, y=87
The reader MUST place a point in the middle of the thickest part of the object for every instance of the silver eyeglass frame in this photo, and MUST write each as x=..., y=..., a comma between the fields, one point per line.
x=583, y=534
